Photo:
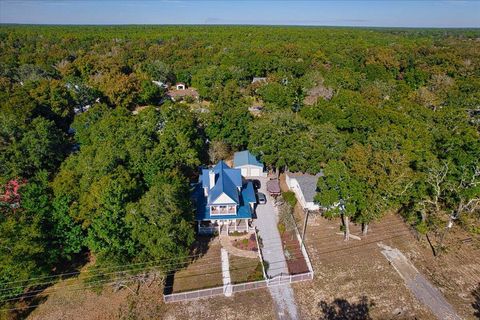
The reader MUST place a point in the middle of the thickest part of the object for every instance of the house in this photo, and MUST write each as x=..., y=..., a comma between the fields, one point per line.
x=248, y=164
x=181, y=92
x=259, y=80
x=305, y=188
x=224, y=199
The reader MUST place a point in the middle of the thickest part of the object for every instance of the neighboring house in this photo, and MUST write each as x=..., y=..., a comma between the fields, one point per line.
x=248, y=164
x=259, y=79
x=305, y=188
x=225, y=199
x=255, y=110
x=181, y=92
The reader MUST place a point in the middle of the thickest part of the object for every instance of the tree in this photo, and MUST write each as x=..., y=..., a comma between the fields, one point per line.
x=40, y=145
x=340, y=193
x=104, y=205
x=385, y=177
x=26, y=250
x=161, y=221
x=158, y=71
x=218, y=150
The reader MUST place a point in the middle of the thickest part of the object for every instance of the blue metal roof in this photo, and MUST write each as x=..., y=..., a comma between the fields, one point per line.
x=202, y=213
x=227, y=181
x=248, y=193
x=223, y=185
x=243, y=158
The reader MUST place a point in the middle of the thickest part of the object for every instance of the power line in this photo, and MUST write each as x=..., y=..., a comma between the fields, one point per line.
x=178, y=263
x=244, y=265
x=154, y=261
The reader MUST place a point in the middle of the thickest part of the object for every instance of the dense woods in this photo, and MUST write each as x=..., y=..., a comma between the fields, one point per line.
x=392, y=117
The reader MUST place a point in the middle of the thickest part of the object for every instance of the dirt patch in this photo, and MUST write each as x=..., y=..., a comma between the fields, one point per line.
x=356, y=274
x=316, y=92
x=249, y=244
x=148, y=304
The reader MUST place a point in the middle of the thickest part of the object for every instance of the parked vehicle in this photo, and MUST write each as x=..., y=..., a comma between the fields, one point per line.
x=262, y=199
x=256, y=184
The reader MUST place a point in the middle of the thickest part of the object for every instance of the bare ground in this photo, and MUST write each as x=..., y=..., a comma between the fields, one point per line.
x=148, y=304
x=354, y=277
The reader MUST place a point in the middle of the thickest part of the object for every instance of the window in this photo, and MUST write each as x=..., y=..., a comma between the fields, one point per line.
x=223, y=209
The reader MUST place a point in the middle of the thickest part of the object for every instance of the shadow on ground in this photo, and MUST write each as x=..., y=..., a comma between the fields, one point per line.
x=197, y=250
x=341, y=309
x=476, y=302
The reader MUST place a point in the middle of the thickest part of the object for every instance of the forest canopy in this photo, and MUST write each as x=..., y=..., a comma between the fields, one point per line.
x=94, y=159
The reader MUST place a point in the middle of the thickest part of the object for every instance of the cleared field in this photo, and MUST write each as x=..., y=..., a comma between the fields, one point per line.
x=354, y=277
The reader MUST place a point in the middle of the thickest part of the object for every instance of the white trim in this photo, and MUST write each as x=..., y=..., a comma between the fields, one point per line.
x=223, y=199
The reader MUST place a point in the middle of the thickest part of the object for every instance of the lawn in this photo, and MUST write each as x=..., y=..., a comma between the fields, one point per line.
x=245, y=269
x=204, y=272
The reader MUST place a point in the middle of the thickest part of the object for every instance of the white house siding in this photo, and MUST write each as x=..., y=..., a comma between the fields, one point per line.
x=252, y=171
x=223, y=198
x=293, y=185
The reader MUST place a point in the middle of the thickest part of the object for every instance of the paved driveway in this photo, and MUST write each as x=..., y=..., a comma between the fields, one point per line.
x=266, y=223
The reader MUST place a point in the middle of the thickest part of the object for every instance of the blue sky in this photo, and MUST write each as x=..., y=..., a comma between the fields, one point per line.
x=386, y=13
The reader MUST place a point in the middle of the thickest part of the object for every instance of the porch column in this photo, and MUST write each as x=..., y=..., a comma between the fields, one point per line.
x=235, y=222
x=219, y=228
x=228, y=223
x=246, y=224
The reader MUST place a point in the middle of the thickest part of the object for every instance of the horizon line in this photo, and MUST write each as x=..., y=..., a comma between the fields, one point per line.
x=229, y=24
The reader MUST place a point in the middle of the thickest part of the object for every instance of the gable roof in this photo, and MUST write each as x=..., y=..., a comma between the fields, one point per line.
x=248, y=193
x=243, y=158
x=307, y=184
x=227, y=181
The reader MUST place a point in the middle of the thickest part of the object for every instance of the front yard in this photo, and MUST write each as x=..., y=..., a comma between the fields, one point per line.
x=245, y=269
x=204, y=272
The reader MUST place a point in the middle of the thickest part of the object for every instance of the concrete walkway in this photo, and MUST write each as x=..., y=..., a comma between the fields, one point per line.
x=421, y=288
x=227, y=282
x=266, y=223
x=226, y=243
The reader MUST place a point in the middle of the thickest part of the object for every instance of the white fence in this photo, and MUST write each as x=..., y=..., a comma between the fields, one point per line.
x=274, y=281
x=240, y=287
x=191, y=295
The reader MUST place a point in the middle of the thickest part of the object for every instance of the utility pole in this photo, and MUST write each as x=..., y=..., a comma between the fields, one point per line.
x=306, y=212
x=453, y=217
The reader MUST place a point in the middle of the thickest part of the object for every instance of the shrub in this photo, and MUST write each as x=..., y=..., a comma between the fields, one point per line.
x=290, y=198
x=281, y=228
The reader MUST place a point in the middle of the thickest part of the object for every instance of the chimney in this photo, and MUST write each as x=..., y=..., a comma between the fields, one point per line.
x=211, y=174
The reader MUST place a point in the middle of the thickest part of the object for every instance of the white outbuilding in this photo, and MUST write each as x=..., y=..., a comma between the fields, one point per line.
x=248, y=164
x=305, y=188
